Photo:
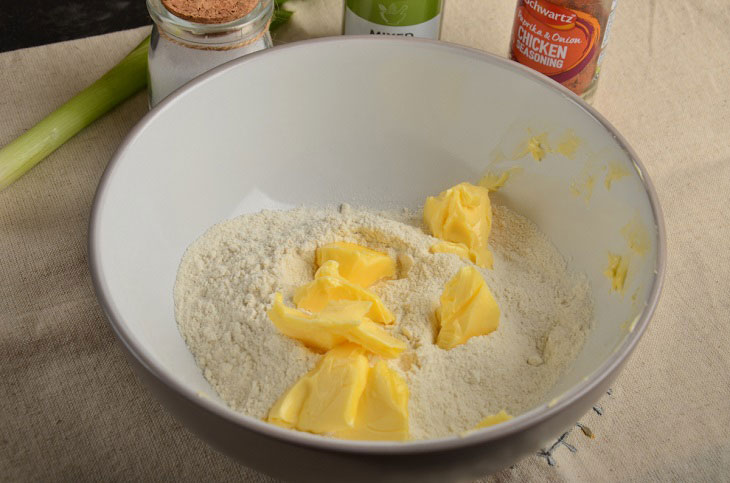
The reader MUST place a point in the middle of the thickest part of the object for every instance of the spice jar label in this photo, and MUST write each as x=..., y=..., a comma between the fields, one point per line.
x=404, y=18
x=559, y=42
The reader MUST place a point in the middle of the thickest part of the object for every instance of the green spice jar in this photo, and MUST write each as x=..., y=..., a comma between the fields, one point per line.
x=405, y=18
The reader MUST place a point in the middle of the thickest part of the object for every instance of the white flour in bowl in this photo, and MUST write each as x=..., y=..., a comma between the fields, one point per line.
x=227, y=279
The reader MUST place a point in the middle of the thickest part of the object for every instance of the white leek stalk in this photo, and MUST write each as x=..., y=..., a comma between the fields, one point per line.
x=125, y=79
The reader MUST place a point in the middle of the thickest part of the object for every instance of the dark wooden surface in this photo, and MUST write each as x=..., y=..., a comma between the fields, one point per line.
x=27, y=23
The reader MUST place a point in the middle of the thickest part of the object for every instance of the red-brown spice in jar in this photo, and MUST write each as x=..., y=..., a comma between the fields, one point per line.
x=210, y=11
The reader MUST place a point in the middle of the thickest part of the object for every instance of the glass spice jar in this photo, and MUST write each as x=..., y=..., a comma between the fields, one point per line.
x=563, y=39
x=188, y=40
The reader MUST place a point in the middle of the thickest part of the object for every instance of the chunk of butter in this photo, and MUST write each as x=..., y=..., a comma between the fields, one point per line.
x=374, y=338
x=338, y=322
x=467, y=309
x=345, y=398
x=450, y=247
x=328, y=285
x=493, y=419
x=537, y=146
x=383, y=411
x=493, y=181
x=618, y=268
x=461, y=215
x=357, y=264
x=326, y=399
x=312, y=331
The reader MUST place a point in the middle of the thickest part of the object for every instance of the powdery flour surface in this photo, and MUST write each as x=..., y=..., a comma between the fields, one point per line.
x=228, y=277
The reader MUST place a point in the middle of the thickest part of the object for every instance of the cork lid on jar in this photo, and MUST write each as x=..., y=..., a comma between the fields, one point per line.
x=210, y=11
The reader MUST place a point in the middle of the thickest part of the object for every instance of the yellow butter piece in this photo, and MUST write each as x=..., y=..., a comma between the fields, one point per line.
x=328, y=286
x=467, y=309
x=330, y=268
x=462, y=215
x=313, y=331
x=345, y=398
x=569, y=144
x=537, y=146
x=336, y=323
x=285, y=412
x=614, y=172
x=357, y=264
x=493, y=181
x=637, y=236
x=493, y=419
x=618, y=268
x=383, y=411
x=326, y=399
x=374, y=338
x=449, y=247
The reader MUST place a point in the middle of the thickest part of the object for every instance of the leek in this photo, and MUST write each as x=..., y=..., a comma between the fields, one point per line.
x=125, y=79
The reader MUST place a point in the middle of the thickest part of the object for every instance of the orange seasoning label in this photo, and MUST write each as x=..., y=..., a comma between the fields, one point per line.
x=557, y=41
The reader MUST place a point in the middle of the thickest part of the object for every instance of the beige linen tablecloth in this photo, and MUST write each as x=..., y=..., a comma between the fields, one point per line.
x=71, y=409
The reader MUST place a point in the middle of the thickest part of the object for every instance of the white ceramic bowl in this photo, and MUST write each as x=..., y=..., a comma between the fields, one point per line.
x=382, y=122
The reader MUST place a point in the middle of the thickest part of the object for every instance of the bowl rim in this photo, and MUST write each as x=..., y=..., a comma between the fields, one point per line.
x=524, y=421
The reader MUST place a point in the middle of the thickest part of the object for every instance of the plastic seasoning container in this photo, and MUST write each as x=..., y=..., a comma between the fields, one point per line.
x=563, y=39
x=403, y=18
x=188, y=40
